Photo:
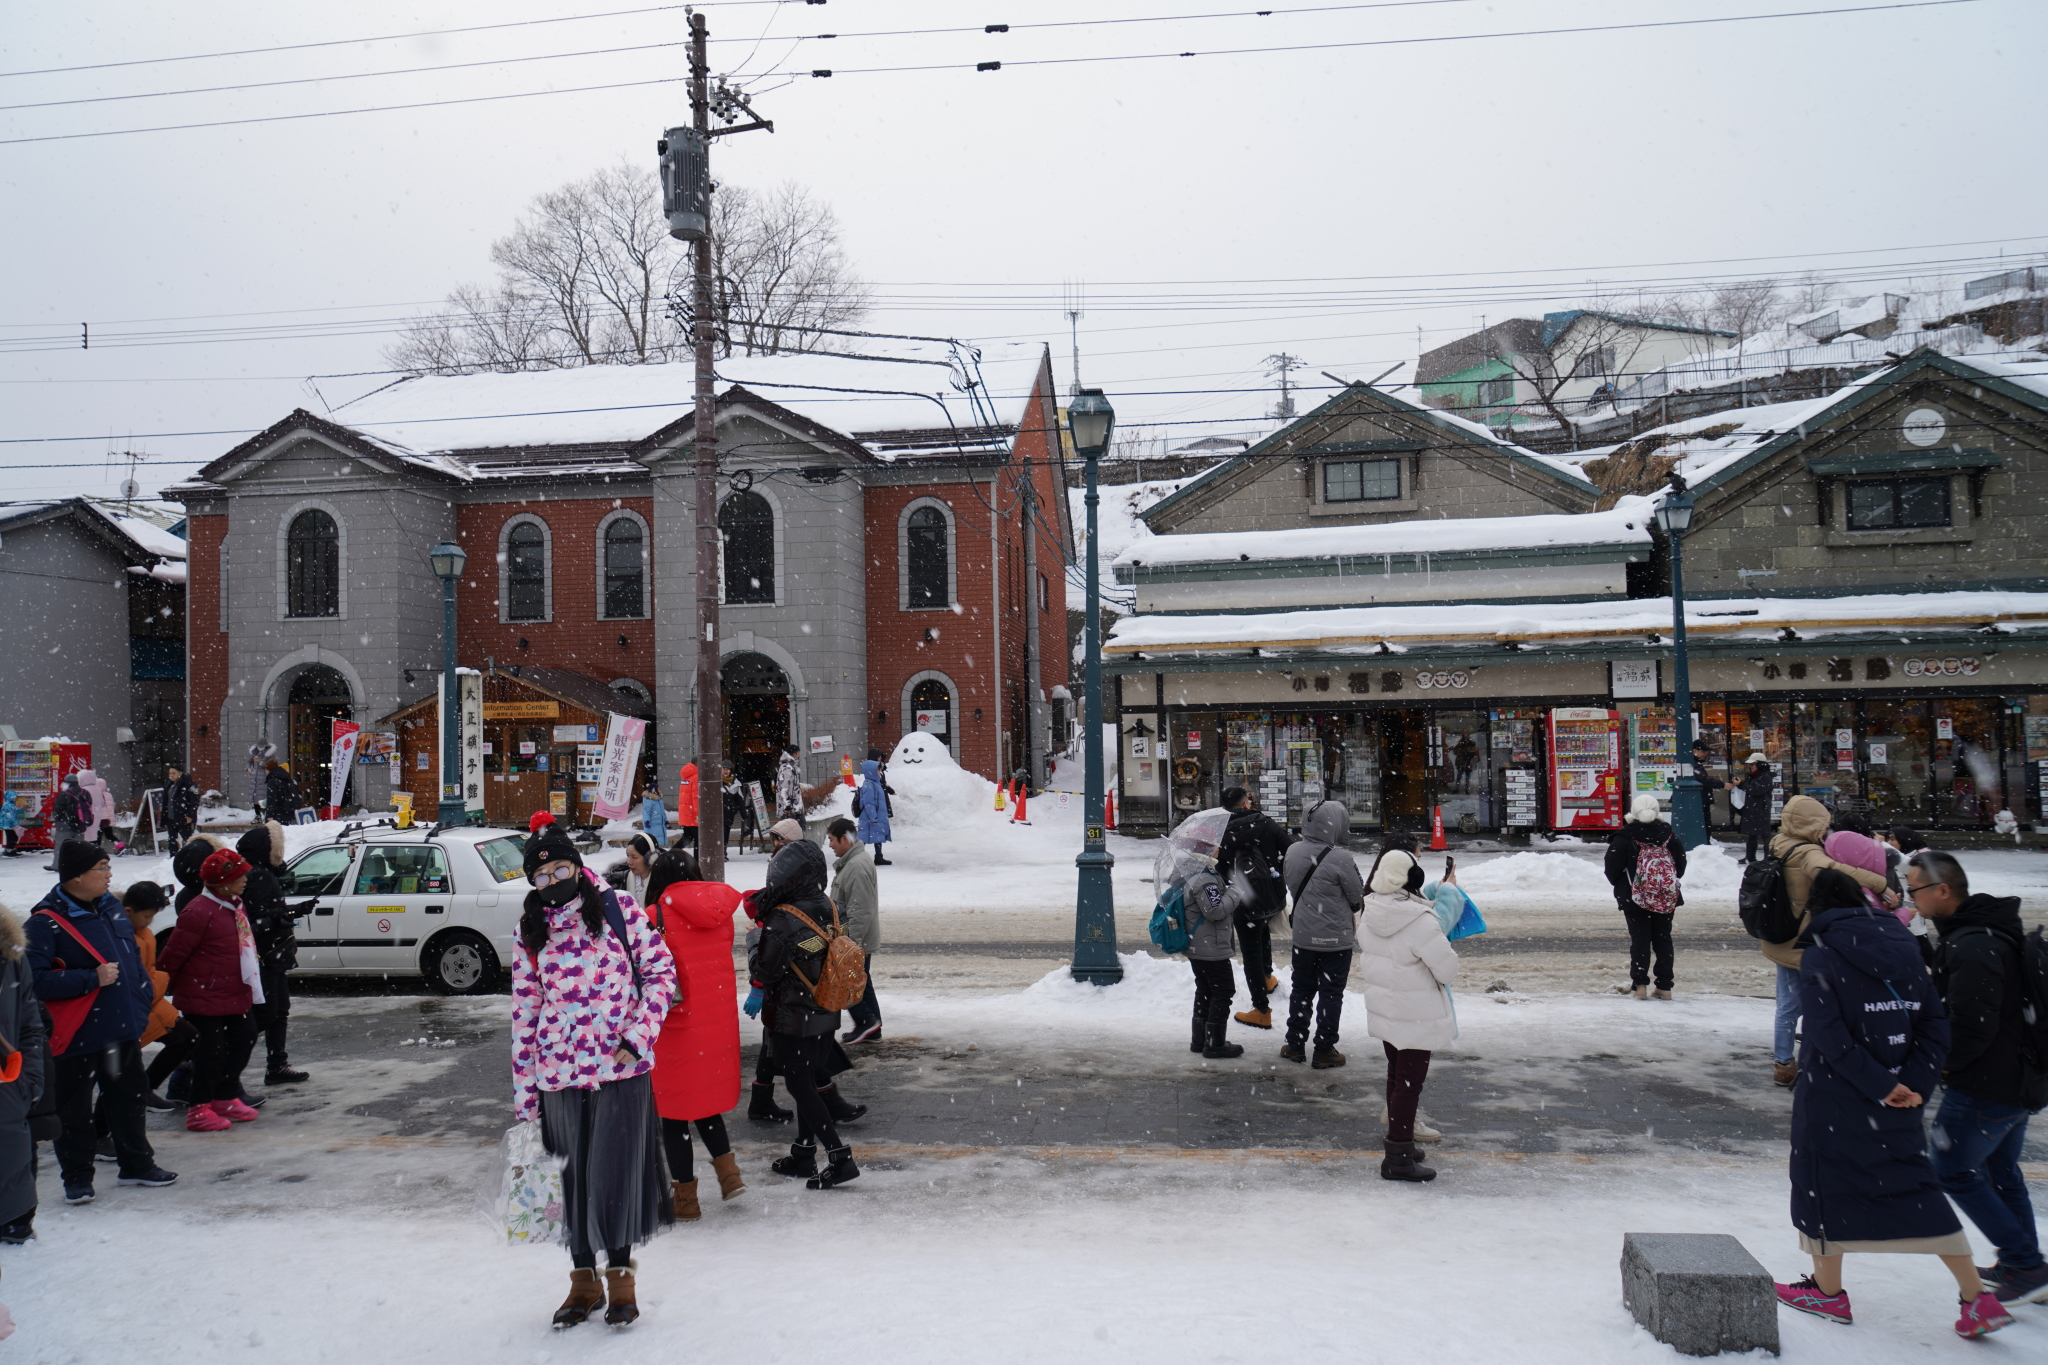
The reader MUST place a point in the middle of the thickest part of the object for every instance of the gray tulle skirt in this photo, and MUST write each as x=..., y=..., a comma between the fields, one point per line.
x=615, y=1190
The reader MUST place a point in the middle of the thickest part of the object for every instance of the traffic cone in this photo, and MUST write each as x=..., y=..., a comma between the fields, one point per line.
x=999, y=797
x=846, y=768
x=1022, y=794
x=1436, y=830
x=1109, y=809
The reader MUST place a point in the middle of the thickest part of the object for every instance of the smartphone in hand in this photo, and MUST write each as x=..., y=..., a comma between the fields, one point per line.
x=1450, y=866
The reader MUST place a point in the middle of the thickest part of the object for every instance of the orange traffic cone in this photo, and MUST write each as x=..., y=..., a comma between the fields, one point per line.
x=1436, y=830
x=1022, y=795
x=1109, y=809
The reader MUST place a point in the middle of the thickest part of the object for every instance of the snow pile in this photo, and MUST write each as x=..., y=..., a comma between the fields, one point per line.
x=1152, y=987
x=1711, y=871
x=931, y=790
x=1522, y=875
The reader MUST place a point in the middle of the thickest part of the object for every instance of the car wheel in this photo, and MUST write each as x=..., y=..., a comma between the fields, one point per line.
x=460, y=963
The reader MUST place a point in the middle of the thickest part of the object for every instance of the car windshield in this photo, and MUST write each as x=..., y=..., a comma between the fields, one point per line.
x=316, y=873
x=506, y=857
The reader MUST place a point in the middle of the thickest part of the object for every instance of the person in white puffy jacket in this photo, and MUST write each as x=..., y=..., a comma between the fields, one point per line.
x=1406, y=965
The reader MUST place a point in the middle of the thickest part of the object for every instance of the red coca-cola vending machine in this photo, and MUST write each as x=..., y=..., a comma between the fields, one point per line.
x=1587, y=774
x=33, y=770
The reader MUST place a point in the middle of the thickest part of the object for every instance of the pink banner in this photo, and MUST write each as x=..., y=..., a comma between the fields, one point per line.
x=621, y=763
x=346, y=735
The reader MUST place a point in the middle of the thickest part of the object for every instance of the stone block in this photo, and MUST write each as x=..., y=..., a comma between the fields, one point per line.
x=1699, y=1293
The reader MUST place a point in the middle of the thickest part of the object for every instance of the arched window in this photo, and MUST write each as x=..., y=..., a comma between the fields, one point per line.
x=625, y=568
x=927, y=555
x=526, y=572
x=748, y=525
x=312, y=565
x=931, y=709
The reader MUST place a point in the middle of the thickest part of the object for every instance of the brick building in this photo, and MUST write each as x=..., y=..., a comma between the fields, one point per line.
x=876, y=564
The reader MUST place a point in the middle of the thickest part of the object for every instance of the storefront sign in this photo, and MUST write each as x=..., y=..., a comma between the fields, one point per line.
x=1633, y=679
x=466, y=785
x=1879, y=755
x=1141, y=748
x=1160, y=749
x=1194, y=741
x=1443, y=677
x=526, y=747
x=1944, y=728
x=375, y=748
x=1943, y=668
x=521, y=710
x=346, y=734
x=576, y=734
x=932, y=722
x=621, y=761
x=821, y=744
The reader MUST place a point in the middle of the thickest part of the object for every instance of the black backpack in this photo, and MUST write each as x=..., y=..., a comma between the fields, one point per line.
x=2034, y=1020
x=1765, y=902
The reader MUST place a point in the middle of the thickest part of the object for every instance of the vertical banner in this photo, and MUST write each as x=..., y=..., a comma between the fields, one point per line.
x=466, y=783
x=621, y=761
x=346, y=735
x=760, y=804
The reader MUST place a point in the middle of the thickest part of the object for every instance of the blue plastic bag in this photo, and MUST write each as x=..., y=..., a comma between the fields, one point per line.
x=1470, y=921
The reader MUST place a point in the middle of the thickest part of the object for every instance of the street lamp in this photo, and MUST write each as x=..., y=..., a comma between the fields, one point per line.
x=1688, y=809
x=1089, y=420
x=447, y=560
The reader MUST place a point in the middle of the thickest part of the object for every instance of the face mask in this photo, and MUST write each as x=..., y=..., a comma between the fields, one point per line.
x=562, y=892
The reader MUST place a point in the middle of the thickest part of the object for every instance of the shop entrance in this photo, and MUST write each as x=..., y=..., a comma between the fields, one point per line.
x=756, y=693
x=318, y=698
x=1405, y=767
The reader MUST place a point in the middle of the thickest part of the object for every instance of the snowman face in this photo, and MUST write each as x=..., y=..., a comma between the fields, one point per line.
x=917, y=750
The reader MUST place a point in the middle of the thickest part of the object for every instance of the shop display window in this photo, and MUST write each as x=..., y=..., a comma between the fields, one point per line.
x=1465, y=785
x=1827, y=741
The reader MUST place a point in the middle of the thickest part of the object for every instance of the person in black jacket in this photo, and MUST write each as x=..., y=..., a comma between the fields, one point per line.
x=1254, y=845
x=1872, y=1049
x=181, y=807
x=798, y=1031
x=24, y=1068
x=1649, y=929
x=1982, y=1124
x=280, y=793
x=277, y=946
x=1756, y=807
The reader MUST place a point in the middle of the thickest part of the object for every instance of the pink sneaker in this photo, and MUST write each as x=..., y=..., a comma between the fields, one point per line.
x=200, y=1118
x=1982, y=1318
x=234, y=1109
x=1807, y=1297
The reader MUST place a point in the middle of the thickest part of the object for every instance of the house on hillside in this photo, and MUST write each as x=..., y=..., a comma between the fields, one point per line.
x=893, y=536
x=101, y=586
x=1867, y=606
x=1530, y=371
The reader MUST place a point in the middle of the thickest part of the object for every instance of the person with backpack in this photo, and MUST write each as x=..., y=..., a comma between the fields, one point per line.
x=1988, y=973
x=1255, y=848
x=697, y=1056
x=1644, y=862
x=1211, y=905
x=1876, y=1039
x=1755, y=790
x=871, y=806
x=592, y=983
x=787, y=966
x=1328, y=891
x=1797, y=856
x=89, y=974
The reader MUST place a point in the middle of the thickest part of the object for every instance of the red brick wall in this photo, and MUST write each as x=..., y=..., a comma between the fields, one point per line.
x=206, y=650
x=965, y=650
x=573, y=637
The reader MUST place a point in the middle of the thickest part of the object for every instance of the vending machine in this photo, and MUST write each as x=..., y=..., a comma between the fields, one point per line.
x=1653, y=754
x=1587, y=772
x=34, y=771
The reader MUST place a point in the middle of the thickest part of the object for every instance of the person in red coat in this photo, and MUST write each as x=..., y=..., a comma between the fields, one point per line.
x=216, y=981
x=686, y=807
x=697, y=1056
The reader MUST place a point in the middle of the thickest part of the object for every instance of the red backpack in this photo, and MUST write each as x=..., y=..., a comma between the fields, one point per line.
x=1654, y=887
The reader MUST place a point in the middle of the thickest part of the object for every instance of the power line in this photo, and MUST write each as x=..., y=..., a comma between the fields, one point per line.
x=1040, y=61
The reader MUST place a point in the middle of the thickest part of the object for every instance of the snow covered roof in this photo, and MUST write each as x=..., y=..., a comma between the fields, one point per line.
x=1626, y=524
x=884, y=401
x=125, y=520
x=1365, y=629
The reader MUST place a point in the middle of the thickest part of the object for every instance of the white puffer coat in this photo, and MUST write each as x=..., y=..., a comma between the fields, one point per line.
x=1405, y=963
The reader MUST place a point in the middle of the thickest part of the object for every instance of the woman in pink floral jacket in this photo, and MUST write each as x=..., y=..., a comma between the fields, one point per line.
x=591, y=983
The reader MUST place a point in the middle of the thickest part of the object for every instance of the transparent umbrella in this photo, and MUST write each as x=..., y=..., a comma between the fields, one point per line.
x=1191, y=848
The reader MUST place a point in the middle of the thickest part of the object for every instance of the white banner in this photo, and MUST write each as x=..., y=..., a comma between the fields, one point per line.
x=621, y=763
x=347, y=734
x=466, y=784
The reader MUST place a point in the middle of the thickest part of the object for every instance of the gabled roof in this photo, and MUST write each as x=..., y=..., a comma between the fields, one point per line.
x=1516, y=336
x=1455, y=433
x=132, y=537
x=1556, y=325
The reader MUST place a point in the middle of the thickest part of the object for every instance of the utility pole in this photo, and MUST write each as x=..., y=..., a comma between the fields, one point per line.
x=686, y=199
x=1074, y=315
x=1281, y=365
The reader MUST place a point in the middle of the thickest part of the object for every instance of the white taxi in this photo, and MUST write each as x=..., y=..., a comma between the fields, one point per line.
x=387, y=902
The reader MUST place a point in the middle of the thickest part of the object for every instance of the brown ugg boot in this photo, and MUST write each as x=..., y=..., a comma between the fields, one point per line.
x=586, y=1296
x=618, y=1283
x=685, y=1192
x=727, y=1167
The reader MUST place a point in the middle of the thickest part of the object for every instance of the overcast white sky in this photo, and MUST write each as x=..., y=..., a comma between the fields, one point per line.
x=1426, y=184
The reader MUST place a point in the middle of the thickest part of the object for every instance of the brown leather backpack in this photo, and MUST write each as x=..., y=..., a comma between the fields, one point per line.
x=843, y=977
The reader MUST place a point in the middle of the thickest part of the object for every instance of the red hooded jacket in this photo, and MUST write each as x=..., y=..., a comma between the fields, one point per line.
x=204, y=959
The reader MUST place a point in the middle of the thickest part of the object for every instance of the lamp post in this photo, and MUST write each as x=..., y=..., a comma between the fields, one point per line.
x=1089, y=419
x=1688, y=812
x=447, y=560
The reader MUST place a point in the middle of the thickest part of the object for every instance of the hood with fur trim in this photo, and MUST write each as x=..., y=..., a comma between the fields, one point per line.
x=12, y=941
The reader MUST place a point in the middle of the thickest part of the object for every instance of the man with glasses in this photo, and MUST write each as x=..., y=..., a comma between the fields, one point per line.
x=1982, y=1124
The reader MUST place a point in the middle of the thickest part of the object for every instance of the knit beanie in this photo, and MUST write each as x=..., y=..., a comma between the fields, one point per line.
x=549, y=844
x=76, y=857
x=788, y=830
x=223, y=867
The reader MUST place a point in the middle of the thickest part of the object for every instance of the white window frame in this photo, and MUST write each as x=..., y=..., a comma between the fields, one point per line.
x=945, y=509
x=284, y=536
x=646, y=564
x=547, y=559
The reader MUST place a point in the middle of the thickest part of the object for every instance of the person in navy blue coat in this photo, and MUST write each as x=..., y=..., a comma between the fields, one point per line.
x=1875, y=1038
x=104, y=1053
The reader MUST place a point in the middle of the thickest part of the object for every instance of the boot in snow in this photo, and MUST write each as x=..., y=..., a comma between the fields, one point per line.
x=1640, y=992
x=837, y=1105
x=618, y=1285
x=1255, y=1018
x=1983, y=1317
x=1292, y=1052
x=839, y=1169
x=684, y=1195
x=801, y=1162
x=279, y=1071
x=586, y=1296
x=761, y=1106
x=727, y=1167
x=1272, y=984
x=1198, y=1034
x=1327, y=1057
x=1403, y=1162
x=1663, y=993
x=1217, y=1049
